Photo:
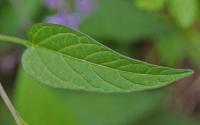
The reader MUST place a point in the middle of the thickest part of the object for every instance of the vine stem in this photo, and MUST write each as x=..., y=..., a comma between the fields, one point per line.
x=13, y=39
x=8, y=103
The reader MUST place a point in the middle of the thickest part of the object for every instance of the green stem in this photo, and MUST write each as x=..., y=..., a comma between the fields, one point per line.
x=13, y=40
x=13, y=111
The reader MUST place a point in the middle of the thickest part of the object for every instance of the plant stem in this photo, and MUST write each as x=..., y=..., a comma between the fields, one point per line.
x=13, y=111
x=13, y=40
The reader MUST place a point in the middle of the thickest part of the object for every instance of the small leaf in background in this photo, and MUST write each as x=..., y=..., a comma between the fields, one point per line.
x=61, y=57
x=184, y=12
x=43, y=105
x=31, y=8
x=9, y=22
x=194, y=48
x=121, y=22
x=171, y=48
x=150, y=5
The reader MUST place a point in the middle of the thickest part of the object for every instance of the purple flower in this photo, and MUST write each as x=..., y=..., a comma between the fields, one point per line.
x=65, y=19
x=84, y=6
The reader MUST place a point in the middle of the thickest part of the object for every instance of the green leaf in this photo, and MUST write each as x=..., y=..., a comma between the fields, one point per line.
x=38, y=104
x=43, y=105
x=31, y=8
x=63, y=58
x=184, y=11
x=194, y=48
x=9, y=21
x=151, y=5
x=121, y=22
x=168, y=118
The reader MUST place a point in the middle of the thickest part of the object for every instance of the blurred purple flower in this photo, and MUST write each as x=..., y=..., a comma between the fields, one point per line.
x=54, y=4
x=73, y=19
x=65, y=19
x=84, y=6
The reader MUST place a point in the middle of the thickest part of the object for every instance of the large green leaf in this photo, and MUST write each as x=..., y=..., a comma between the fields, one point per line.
x=63, y=58
x=43, y=105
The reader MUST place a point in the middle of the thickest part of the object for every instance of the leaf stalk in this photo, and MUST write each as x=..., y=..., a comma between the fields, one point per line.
x=13, y=39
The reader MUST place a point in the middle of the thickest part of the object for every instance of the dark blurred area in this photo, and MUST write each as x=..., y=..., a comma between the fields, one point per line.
x=161, y=32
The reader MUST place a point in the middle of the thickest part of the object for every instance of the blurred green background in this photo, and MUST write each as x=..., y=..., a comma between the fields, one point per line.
x=162, y=32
